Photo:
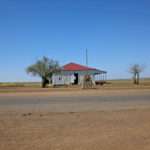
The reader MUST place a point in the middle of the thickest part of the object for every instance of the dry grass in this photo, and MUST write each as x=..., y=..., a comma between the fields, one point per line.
x=19, y=84
x=145, y=81
x=125, y=130
x=35, y=87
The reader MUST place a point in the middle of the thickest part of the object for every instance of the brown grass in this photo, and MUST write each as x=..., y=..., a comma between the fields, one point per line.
x=35, y=87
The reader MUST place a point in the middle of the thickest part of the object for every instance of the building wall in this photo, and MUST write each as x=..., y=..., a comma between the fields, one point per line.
x=66, y=78
x=59, y=79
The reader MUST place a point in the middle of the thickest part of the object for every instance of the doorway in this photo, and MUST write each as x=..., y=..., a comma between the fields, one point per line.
x=76, y=81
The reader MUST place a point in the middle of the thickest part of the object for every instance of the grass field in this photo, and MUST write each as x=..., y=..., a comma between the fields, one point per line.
x=119, y=82
x=144, y=83
x=19, y=84
x=35, y=86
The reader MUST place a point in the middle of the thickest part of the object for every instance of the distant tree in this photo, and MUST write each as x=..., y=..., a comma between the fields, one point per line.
x=44, y=68
x=136, y=69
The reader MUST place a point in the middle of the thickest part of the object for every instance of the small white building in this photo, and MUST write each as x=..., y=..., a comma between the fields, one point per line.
x=73, y=74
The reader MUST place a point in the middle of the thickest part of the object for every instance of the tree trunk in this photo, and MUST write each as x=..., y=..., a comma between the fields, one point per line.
x=134, y=79
x=43, y=82
x=138, y=79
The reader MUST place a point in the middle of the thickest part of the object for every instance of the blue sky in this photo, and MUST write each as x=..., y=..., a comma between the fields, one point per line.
x=116, y=33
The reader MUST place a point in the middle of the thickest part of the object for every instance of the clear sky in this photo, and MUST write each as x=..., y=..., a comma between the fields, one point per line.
x=116, y=33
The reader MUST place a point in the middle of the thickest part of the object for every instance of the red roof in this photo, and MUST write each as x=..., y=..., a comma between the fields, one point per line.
x=76, y=67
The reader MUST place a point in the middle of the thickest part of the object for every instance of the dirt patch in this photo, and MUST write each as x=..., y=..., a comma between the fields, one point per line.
x=107, y=130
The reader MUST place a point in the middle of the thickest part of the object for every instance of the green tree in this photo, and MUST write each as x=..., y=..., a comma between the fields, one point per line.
x=44, y=68
x=136, y=69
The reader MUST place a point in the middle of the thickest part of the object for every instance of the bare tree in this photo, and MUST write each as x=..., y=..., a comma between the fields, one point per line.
x=136, y=69
x=44, y=68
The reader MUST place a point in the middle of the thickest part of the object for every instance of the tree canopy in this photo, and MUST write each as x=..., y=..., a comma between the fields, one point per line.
x=44, y=68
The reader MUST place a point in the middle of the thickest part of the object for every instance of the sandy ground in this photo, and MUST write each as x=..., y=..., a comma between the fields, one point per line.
x=121, y=128
x=111, y=130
